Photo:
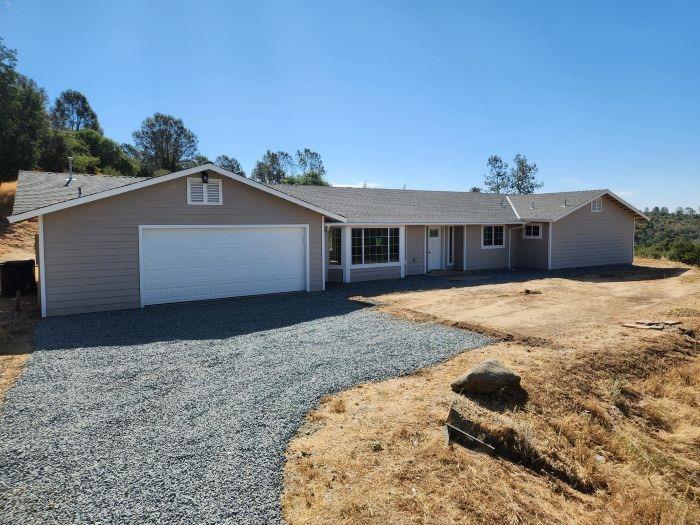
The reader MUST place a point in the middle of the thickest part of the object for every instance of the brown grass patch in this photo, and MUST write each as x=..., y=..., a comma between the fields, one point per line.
x=16, y=240
x=16, y=330
x=617, y=409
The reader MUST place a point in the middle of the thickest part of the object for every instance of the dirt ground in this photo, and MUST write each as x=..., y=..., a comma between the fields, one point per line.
x=16, y=240
x=16, y=330
x=616, y=410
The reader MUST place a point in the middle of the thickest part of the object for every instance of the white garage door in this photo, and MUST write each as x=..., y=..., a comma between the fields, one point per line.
x=190, y=264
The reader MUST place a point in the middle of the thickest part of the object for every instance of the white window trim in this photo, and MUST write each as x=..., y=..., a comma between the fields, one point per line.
x=494, y=247
x=525, y=236
x=597, y=205
x=205, y=194
x=373, y=265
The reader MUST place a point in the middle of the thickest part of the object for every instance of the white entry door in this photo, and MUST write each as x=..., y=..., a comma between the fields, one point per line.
x=194, y=263
x=434, y=248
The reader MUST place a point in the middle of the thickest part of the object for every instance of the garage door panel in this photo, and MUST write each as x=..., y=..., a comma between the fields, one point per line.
x=184, y=264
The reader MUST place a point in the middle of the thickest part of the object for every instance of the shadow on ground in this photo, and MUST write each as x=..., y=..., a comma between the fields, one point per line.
x=221, y=319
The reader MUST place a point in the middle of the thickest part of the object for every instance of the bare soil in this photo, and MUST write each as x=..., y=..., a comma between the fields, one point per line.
x=16, y=332
x=16, y=240
x=618, y=409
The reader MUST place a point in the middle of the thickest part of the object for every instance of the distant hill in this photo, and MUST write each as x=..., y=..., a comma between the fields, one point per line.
x=675, y=236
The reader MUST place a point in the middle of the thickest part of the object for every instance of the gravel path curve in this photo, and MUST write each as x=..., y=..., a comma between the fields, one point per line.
x=182, y=413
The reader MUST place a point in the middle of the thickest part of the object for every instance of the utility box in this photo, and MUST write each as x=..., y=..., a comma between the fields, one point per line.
x=17, y=276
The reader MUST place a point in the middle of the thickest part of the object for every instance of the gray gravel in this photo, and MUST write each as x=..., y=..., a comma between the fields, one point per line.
x=182, y=413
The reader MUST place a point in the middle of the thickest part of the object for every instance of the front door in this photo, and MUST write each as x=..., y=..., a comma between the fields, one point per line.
x=434, y=249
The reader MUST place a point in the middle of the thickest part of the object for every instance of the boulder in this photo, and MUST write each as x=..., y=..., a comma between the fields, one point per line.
x=486, y=378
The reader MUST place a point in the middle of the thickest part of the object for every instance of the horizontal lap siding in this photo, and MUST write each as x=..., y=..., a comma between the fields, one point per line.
x=372, y=274
x=415, y=250
x=92, y=259
x=483, y=259
x=531, y=253
x=585, y=238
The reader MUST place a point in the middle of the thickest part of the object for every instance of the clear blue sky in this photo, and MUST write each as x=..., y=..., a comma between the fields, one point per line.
x=599, y=94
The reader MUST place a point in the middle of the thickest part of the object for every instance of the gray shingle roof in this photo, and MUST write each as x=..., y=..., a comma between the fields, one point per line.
x=550, y=206
x=40, y=189
x=364, y=205
x=37, y=190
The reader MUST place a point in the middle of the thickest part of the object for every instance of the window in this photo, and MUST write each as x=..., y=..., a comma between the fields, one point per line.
x=450, y=245
x=199, y=192
x=434, y=232
x=375, y=245
x=597, y=205
x=532, y=231
x=334, y=246
x=492, y=237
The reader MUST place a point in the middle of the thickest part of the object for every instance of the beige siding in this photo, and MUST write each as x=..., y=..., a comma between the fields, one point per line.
x=415, y=250
x=483, y=259
x=584, y=238
x=91, y=251
x=372, y=274
x=530, y=253
x=335, y=275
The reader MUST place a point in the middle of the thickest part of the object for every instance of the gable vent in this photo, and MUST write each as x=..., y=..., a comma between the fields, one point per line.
x=199, y=192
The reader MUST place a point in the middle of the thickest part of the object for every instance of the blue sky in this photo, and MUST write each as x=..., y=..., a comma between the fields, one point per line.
x=599, y=94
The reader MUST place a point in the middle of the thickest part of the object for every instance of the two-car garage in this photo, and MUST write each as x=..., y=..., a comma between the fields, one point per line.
x=188, y=263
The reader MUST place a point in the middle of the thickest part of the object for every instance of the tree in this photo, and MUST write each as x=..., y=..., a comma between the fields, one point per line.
x=689, y=211
x=91, y=152
x=522, y=176
x=309, y=166
x=272, y=168
x=475, y=189
x=163, y=143
x=231, y=164
x=497, y=178
x=72, y=111
x=23, y=118
x=309, y=161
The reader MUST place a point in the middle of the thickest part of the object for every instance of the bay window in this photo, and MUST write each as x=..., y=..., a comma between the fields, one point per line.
x=375, y=245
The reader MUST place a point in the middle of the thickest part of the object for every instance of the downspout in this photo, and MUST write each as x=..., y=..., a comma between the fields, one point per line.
x=510, y=241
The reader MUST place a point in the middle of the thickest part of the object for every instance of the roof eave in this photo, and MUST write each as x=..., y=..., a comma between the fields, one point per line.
x=164, y=178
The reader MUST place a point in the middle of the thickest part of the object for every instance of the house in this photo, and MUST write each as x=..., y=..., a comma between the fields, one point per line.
x=108, y=242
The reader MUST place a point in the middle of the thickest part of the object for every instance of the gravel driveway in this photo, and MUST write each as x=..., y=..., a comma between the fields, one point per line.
x=182, y=413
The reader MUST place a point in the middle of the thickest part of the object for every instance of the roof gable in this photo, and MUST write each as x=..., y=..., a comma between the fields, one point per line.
x=41, y=193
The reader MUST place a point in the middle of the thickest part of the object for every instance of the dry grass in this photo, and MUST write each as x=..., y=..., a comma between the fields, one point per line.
x=616, y=409
x=16, y=329
x=16, y=240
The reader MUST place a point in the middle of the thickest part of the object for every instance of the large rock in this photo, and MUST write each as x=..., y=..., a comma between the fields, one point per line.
x=486, y=378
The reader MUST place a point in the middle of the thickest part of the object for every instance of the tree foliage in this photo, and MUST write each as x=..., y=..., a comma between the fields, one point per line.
x=231, y=164
x=72, y=111
x=497, y=178
x=675, y=236
x=163, y=142
x=279, y=167
x=522, y=176
x=23, y=118
x=519, y=179
x=475, y=189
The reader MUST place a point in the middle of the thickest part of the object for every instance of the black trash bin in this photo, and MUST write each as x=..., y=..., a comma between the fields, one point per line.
x=17, y=276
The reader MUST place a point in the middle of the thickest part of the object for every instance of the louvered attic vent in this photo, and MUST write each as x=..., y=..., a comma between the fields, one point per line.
x=199, y=192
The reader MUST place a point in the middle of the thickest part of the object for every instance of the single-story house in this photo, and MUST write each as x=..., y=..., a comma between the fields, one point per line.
x=109, y=242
